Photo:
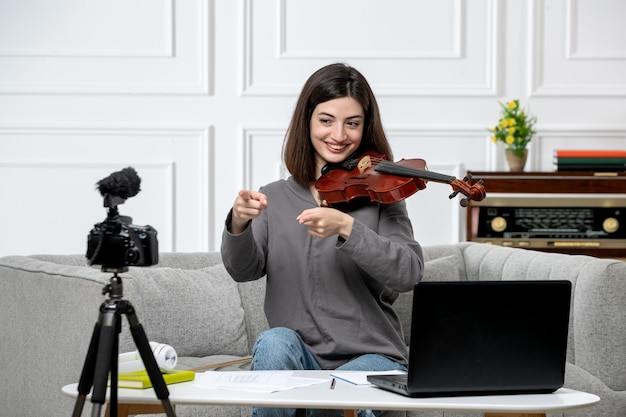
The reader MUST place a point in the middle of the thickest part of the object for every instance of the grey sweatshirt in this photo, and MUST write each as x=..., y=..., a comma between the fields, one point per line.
x=337, y=294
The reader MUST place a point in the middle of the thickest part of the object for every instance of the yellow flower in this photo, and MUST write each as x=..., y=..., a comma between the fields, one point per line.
x=515, y=126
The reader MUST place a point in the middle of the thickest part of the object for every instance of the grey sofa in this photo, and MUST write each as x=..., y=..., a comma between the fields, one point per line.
x=50, y=305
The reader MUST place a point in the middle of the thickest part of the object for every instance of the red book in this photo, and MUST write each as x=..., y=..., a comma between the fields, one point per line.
x=590, y=153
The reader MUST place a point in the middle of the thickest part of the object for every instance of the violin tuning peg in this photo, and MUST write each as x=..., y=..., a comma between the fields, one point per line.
x=464, y=202
x=454, y=194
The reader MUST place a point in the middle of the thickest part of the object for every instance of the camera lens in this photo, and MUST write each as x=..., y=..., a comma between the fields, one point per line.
x=132, y=255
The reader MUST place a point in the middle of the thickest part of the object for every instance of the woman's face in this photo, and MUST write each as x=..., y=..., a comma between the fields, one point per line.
x=336, y=130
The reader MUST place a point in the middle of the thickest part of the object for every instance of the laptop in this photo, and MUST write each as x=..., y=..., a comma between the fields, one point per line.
x=485, y=338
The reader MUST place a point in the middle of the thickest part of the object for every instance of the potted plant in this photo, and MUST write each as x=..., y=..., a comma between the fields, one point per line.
x=515, y=130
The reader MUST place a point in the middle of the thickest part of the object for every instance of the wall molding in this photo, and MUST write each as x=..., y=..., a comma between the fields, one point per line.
x=202, y=150
x=489, y=88
x=456, y=52
x=572, y=52
x=165, y=50
x=197, y=71
x=536, y=84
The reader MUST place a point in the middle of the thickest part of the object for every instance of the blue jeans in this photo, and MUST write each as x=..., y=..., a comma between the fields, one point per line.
x=283, y=349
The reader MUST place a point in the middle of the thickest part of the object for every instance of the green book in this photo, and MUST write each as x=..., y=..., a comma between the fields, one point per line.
x=590, y=161
x=141, y=380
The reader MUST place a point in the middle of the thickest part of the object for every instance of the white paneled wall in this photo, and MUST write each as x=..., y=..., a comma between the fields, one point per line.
x=196, y=96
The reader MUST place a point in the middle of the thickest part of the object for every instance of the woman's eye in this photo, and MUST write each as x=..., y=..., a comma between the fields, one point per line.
x=353, y=124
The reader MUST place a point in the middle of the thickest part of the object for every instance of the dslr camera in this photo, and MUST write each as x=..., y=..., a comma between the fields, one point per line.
x=116, y=243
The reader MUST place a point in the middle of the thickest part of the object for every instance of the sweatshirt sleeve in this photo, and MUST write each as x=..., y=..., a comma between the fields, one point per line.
x=391, y=255
x=243, y=258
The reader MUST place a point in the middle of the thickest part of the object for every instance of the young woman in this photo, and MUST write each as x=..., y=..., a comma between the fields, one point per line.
x=332, y=274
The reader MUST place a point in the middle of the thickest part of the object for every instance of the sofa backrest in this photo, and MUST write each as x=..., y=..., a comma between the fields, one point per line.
x=441, y=263
x=187, y=300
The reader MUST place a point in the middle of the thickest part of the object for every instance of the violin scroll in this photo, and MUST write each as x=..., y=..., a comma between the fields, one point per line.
x=475, y=192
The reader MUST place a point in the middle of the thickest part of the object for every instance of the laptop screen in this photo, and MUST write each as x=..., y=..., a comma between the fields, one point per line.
x=488, y=337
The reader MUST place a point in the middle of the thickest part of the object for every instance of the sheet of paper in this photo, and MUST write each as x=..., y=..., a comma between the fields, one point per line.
x=360, y=377
x=256, y=381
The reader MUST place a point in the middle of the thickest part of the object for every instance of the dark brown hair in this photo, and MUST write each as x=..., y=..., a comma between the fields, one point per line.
x=328, y=83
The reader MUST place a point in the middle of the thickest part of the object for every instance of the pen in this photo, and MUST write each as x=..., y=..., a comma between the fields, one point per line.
x=332, y=384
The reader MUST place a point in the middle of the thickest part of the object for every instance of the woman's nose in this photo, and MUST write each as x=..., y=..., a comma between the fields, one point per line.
x=340, y=133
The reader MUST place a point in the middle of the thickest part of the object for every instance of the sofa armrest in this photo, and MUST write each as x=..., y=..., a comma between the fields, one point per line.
x=600, y=322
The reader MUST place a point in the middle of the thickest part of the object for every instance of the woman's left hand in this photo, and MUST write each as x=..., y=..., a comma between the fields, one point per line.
x=325, y=222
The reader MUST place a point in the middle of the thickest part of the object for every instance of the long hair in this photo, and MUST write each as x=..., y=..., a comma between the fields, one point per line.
x=328, y=83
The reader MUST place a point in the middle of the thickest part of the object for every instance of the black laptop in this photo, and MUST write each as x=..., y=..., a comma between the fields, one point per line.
x=485, y=338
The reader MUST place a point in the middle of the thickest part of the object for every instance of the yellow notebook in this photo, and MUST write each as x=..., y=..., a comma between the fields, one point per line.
x=141, y=380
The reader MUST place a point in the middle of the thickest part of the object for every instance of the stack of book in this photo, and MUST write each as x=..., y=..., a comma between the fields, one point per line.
x=600, y=160
x=141, y=380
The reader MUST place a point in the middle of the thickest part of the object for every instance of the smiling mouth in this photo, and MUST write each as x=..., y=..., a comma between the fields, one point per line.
x=336, y=147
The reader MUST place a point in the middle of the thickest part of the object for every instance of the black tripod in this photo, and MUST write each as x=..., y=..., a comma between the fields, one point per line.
x=102, y=356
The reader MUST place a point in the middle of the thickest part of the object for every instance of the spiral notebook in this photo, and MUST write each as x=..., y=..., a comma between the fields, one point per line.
x=485, y=338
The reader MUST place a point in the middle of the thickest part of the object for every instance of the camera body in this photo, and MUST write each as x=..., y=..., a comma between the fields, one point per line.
x=116, y=243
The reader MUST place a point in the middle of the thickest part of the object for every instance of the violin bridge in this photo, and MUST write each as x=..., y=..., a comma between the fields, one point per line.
x=364, y=164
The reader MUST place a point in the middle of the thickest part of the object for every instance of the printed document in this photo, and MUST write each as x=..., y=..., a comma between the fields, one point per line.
x=256, y=381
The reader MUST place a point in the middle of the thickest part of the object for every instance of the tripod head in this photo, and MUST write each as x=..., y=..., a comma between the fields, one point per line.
x=114, y=288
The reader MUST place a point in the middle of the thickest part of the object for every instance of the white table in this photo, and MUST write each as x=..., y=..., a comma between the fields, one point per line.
x=348, y=397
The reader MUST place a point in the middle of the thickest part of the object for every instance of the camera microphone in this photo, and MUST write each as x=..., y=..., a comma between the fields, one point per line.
x=123, y=184
x=165, y=356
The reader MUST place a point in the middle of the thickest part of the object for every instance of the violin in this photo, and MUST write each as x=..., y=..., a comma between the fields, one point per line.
x=371, y=175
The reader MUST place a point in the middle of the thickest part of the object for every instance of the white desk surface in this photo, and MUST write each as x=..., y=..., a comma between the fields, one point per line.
x=349, y=396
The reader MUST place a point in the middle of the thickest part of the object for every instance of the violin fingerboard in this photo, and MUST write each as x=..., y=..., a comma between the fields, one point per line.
x=404, y=171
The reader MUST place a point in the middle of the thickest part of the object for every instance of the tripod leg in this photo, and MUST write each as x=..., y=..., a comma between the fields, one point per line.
x=143, y=346
x=103, y=362
x=86, y=376
x=114, y=408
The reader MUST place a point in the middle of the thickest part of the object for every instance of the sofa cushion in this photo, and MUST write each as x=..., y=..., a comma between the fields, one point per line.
x=442, y=269
x=198, y=312
x=439, y=269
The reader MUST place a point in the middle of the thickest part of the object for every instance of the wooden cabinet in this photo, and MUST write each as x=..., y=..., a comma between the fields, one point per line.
x=568, y=212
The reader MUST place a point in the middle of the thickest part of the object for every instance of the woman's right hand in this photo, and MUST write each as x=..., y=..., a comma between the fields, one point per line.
x=248, y=205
